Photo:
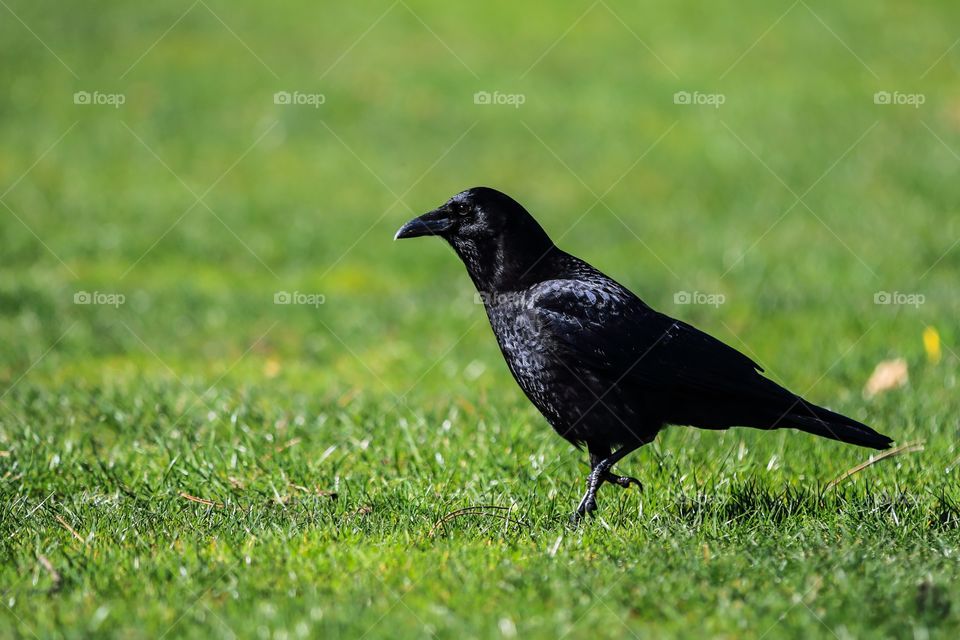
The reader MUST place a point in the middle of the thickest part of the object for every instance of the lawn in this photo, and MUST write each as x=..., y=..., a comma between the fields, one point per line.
x=183, y=456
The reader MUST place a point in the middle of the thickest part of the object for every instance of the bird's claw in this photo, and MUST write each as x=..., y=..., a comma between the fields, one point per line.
x=587, y=506
x=623, y=481
x=578, y=516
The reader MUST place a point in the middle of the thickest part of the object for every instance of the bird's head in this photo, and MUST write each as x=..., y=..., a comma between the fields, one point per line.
x=476, y=213
x=491, y=232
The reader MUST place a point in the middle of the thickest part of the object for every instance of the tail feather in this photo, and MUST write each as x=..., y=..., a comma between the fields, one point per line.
x=828, y=424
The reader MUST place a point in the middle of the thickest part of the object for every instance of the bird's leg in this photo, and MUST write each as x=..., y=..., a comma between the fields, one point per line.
x=601, y=460
x=612, y=478
x=589, y=501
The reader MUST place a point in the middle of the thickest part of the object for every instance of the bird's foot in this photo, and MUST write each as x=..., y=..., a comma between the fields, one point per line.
x=623, y=481
x=589, y=502
x=581, y=513
x=587, y=506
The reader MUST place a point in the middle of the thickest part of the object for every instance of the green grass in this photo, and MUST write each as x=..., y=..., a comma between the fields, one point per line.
x=199, y=461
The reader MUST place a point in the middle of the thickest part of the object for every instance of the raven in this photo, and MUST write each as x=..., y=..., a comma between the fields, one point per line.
x=607, y=371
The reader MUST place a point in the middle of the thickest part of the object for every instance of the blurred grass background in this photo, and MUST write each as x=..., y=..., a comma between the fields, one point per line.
x=199, y=198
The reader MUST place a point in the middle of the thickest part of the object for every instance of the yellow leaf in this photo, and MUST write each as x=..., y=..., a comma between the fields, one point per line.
x=931, y=344
x=271, y=368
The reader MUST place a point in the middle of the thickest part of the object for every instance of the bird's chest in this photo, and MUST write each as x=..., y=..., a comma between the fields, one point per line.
x=536, y=368
x=517, y=336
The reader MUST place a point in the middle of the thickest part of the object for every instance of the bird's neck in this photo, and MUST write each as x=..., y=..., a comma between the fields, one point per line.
x=503, y=264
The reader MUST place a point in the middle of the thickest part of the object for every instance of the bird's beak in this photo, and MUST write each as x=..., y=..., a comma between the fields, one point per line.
x=429, y=224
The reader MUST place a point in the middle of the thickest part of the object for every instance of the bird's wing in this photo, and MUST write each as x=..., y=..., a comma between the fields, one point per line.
x=607, y=331
x=684, y=375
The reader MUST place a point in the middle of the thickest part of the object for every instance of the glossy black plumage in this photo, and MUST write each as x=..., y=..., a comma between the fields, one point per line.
x=605, y=369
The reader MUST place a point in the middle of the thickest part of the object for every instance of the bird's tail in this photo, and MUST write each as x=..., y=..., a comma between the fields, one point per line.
x=823, y=422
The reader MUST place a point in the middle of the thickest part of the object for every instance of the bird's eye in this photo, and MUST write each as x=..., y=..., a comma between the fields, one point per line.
x=461, y=208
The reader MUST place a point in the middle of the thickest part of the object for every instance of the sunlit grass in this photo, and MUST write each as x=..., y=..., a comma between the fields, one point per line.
x=200, y=461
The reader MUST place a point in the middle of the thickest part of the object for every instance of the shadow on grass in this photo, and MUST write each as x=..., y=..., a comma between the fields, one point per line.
x=752, y=501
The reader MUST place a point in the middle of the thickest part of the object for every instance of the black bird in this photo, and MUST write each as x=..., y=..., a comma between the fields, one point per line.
x=603, y=368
